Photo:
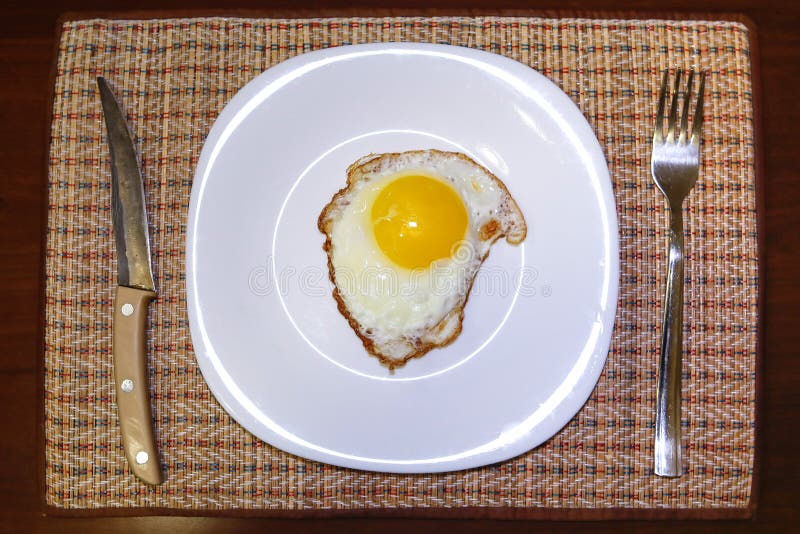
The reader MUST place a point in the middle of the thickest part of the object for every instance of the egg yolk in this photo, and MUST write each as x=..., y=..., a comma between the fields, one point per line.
x=417, y=220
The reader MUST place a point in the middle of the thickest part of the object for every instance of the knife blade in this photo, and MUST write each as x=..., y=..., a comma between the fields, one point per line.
x=134, y=292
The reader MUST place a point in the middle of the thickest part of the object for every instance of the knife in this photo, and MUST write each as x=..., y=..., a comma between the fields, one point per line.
x=134, y=292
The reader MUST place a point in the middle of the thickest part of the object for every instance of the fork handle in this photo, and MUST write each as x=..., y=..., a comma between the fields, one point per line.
x=668, y=394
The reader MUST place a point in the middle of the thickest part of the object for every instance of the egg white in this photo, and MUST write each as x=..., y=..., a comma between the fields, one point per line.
x=396, y=307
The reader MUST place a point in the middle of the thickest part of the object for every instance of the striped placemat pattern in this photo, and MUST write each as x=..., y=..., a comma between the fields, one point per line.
x=175, y=75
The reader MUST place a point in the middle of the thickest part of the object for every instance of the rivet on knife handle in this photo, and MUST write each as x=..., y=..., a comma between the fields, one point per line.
x=130, y=377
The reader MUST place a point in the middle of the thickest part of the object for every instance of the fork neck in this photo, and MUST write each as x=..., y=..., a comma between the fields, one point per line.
x=676, y=218
x=676, y=210
x=676, y=238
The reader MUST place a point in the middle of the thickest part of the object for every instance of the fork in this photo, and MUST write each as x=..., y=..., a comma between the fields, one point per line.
x=674, y=164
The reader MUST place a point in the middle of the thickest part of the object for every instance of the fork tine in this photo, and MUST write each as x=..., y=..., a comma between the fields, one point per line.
x=697, y=122
x=658, y=134
x=673, y=109
x=687, y=97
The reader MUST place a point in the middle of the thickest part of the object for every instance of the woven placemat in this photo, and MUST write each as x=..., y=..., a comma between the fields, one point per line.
x=175, y=75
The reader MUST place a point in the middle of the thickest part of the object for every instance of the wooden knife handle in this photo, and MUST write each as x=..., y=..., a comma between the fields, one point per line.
x=130, y=378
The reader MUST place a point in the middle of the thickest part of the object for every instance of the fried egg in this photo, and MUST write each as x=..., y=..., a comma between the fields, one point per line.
x=405, y=239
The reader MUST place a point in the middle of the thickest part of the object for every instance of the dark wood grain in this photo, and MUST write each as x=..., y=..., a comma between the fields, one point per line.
x=27, y=33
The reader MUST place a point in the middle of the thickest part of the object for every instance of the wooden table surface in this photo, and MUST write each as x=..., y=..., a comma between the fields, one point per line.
x=27, y=51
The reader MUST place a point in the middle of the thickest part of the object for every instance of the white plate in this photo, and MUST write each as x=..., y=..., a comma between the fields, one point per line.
x=269, y=340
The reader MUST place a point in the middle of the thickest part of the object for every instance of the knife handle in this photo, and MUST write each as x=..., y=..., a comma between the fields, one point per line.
x=130, y=378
